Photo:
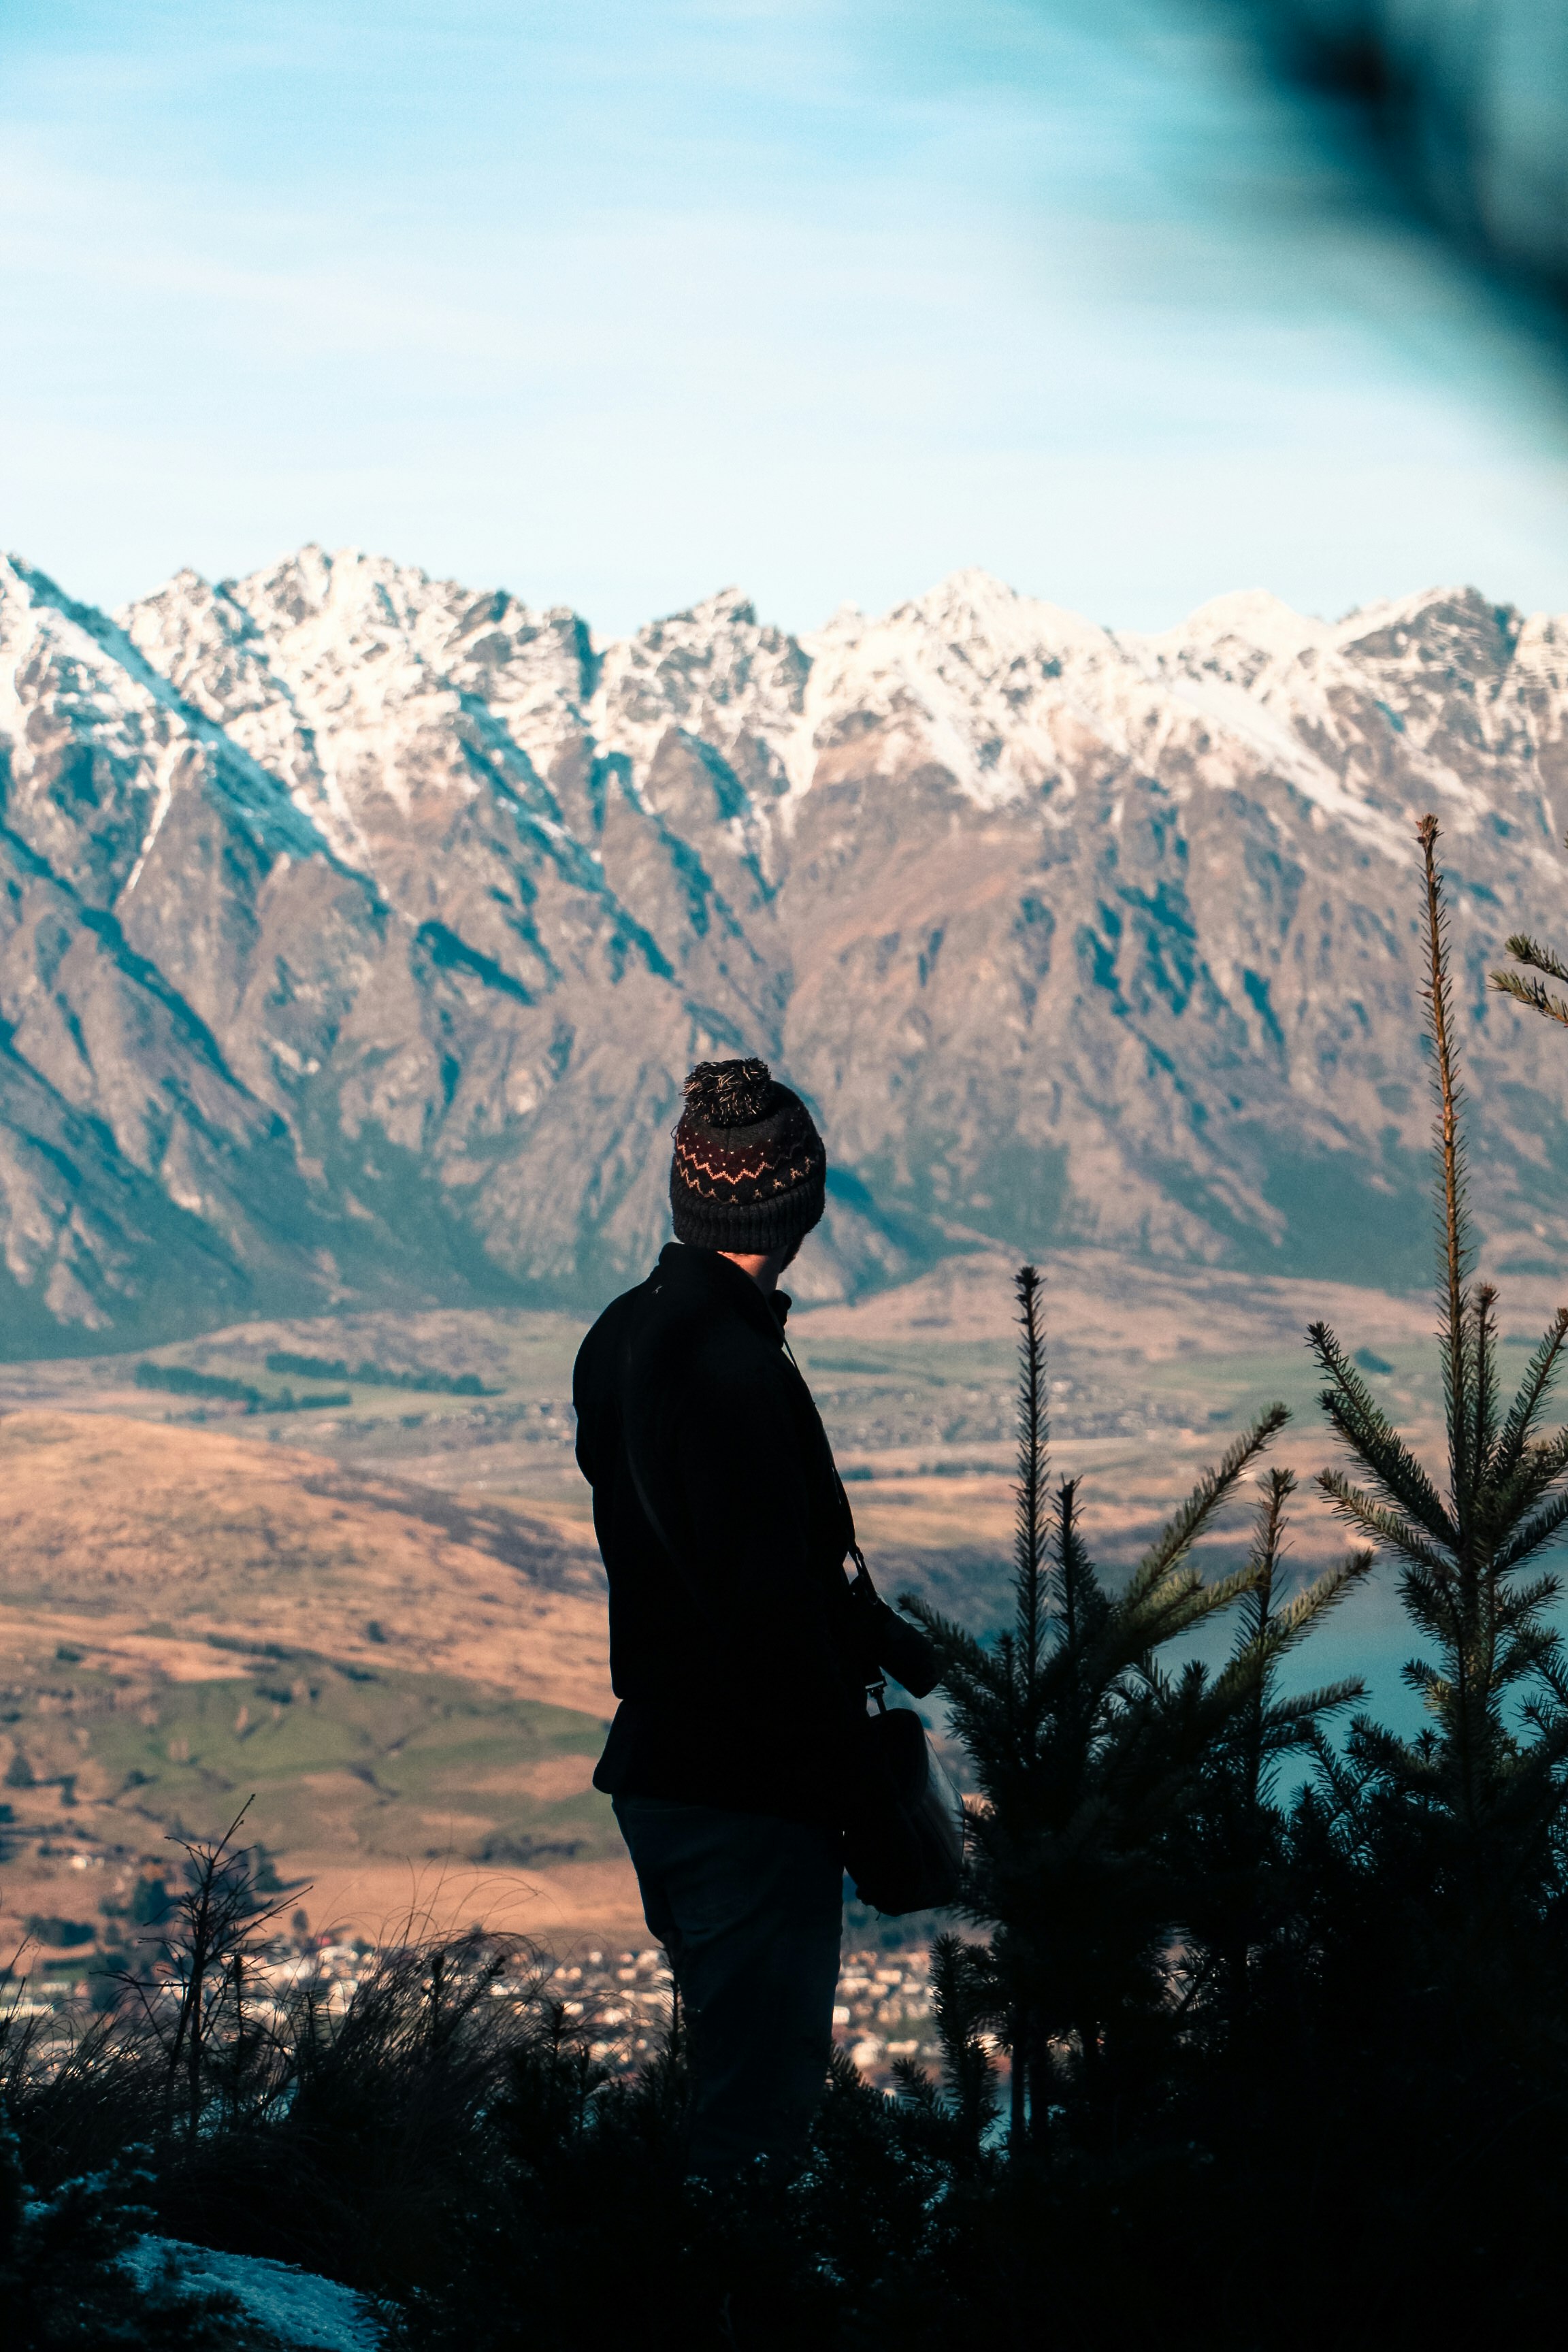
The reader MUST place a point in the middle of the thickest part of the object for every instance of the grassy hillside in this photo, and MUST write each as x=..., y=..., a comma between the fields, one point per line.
x=122, y=1523
x=189, y=1618
x=341, y=1760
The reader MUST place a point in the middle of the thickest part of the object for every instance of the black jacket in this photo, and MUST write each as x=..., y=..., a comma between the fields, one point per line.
x=735, y=1650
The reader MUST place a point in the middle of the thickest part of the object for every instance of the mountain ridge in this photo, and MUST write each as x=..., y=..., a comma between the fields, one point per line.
x=358, y=925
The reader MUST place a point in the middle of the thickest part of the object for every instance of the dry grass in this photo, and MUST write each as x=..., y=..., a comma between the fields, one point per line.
x=137, y=1540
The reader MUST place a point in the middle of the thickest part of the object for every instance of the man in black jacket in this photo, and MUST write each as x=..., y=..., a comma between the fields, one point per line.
x=735, y=1650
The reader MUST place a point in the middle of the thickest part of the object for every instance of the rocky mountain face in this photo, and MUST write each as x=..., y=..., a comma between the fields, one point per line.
x=357, y=927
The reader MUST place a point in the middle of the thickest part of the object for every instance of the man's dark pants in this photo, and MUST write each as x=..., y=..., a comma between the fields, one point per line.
x=750, y=1909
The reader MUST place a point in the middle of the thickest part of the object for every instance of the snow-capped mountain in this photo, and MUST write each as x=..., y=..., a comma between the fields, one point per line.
x=357, y=927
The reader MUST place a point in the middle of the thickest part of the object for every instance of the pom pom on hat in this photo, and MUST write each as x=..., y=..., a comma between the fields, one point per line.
x=730, y=1094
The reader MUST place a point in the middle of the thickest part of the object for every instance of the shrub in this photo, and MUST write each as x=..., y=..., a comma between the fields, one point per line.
x=49, y=1929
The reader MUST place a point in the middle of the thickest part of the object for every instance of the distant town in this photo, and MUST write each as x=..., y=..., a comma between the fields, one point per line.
x=68, y=1965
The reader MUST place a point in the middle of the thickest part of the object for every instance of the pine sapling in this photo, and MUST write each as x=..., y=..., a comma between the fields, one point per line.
x=213, y=1921
x=1484, y=1790
x=1081, y=1758
x=1232, y=1838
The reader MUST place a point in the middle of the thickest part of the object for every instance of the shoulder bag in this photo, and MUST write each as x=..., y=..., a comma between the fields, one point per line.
x=903, y=1835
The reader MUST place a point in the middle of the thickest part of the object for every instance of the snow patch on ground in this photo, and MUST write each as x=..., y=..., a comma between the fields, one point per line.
x=300, y=2308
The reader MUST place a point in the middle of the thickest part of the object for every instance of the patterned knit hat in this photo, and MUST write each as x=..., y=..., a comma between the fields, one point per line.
x=750, y=1166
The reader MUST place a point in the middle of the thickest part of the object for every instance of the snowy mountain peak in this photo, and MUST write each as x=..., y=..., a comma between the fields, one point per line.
x=1249, y=618
x=727, y=608
x=1436, y=635
x=973, y=609
x=356, y=927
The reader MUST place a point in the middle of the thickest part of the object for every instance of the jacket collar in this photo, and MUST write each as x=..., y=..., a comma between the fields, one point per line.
x=704, y=1273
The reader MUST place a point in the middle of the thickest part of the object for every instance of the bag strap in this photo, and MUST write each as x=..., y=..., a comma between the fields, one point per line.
x=877, y=1687
x=853, y=1547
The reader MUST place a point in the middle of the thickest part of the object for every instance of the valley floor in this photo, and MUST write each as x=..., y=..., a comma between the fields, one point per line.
x=381, y=1619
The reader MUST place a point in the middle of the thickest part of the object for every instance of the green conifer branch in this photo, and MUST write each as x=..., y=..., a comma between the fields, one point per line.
x=1531, y=1537
x=1417, y=1675
x=1081, y=1605
x=1291, y=1623
x=1430, y=1598
x=1404, y=1763
x=1531, y=1395
x=1270, y=1634
x=1529, y=1599
x=1525, y=951
x=1505, y=1502
x=1177, y=1539
x=1295, y=1716
x=1287, y=1627
x=1175, y=1606
x=1455, y=1248
x=1358, y=1418
x=1523, y=1654
x=1554, y=1675
x=1337, y=1776
x=1386, y=1526
x=1082, y=1609
x=1029, y=1532
x=964, y=2002
x=1484, y=1384
x=1530, y=992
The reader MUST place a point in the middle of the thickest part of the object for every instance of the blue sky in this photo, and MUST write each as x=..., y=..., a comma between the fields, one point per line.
x=617, y=303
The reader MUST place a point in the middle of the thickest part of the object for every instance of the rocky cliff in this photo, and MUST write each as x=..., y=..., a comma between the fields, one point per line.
x=356, y=928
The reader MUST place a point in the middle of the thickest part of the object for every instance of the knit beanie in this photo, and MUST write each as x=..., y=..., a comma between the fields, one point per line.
x=750, y=1166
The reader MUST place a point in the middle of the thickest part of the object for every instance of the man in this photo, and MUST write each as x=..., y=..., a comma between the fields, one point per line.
x=736, y=1650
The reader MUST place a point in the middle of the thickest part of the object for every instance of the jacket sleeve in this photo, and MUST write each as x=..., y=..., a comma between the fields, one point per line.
x=594, y=1396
